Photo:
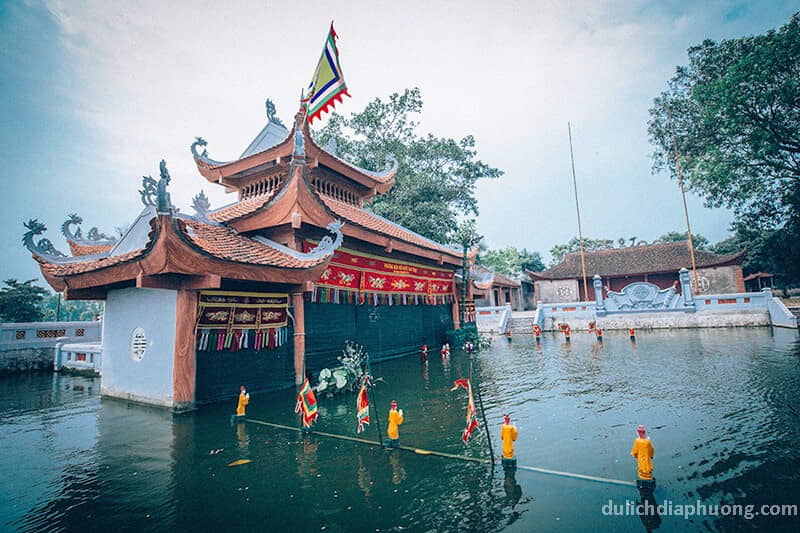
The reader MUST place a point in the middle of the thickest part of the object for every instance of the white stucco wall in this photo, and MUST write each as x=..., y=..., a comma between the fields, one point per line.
x=559, y=290
x=148, y=380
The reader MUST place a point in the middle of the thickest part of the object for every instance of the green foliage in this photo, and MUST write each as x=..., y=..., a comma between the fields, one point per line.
x=458, y=337
x=27, y=302
x=21, y=301
x=347, y=376
x=511, y=261
x=699, y=242
x=436, y=178
x=734, y=115
x=70, y=310
x=767, y=251
x=466, y=234
x=589, y=245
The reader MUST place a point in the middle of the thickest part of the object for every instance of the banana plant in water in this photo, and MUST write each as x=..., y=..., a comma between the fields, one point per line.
x=347, y=376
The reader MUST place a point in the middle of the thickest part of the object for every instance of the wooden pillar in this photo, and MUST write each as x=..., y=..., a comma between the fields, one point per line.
x=456, y=322
x=298, y=310
x=184, y=369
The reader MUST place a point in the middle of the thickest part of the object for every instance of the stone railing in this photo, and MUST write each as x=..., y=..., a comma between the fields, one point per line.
x=493, y=319
x=646, y=305
x=46, y=334
x=28, y=346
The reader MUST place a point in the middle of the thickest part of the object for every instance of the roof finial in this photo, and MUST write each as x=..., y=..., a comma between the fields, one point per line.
x=271, y=113
x=201, y=205
x=155, y=193
x=44, y=246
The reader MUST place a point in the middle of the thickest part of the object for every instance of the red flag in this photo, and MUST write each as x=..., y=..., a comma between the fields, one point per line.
x=362, y=405
x=472, y=419
x=307, y=404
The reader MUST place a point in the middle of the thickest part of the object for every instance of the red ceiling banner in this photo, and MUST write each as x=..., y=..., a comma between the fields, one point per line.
x=373, y=275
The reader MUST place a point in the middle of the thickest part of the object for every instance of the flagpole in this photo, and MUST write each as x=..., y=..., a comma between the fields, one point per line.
x=685, y=213
x=483, y=415
x=578, y=210
x=369, y=386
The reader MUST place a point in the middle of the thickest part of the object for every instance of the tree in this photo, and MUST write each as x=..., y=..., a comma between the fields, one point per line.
x=71, y=310
x=589, y=245
x=436, y=178
x=21, y=302
x=511, y=261
x=734, y=115
x=699, y=242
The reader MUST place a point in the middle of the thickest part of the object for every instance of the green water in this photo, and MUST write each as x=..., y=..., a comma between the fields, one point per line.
x=721, y=405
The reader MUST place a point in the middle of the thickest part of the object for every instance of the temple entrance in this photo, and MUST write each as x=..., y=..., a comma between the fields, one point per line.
x=243, y=338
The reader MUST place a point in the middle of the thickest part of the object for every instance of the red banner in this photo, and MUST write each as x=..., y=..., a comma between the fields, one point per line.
x=372, y=275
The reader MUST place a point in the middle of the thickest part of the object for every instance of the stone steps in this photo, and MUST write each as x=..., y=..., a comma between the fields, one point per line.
x=523, y=324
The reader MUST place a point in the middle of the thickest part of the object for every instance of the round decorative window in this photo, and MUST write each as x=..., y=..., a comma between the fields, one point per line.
x=138, y=344
x=565, y=293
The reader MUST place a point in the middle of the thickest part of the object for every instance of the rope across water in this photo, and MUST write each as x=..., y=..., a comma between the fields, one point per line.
x=420, y=451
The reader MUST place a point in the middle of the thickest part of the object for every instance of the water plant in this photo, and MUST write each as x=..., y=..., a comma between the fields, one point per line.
x=346, y=377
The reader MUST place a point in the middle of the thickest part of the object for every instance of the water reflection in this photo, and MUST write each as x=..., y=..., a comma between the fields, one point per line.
x=721, y=405
x=647, y=509
x=398, y=472
x=307, y=459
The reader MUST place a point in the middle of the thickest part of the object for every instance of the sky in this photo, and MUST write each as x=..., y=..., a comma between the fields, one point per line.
x=93, y=94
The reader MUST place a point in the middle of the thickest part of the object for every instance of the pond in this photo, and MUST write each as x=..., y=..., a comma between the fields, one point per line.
x=721, y=406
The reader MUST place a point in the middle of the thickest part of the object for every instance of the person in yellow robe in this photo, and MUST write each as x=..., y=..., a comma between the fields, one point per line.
x=395, y=421
x=644, y=452
x=244, y=399
x=508, y=434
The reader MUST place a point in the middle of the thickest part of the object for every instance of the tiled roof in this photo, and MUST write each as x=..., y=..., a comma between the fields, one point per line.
x=88, y=249
x=80, y=267
x=272, y=135
x=224, y=243
x=240, y=209
x=669, y=257
x=486, y=277
x=218, y=241
x=377, y=223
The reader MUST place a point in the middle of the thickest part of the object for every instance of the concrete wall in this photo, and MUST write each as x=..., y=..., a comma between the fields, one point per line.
x=705, y=311
x=148, y=380
x=717, y=280
x=26, y=346
x=25, y=359
x=558, y=290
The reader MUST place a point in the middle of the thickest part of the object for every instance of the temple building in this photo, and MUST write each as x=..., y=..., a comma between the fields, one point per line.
x=495, y=289
x=264, y=291
x=656, y=263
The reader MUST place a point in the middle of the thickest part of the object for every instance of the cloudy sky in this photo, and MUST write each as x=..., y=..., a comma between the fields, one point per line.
x=95, y=93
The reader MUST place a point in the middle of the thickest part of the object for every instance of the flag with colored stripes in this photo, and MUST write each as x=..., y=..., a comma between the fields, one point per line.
x=307, y=404
x=362, y=403
x=327, y=85
x=472, y=419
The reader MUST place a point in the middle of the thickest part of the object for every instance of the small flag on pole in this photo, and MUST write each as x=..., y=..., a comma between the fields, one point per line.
x=472, y=420
x=306, y=404
x=327, y=85
x=362, y=403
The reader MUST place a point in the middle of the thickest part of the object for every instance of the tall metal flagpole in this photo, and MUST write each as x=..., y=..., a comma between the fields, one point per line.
x=578, y=210
x=685, y=212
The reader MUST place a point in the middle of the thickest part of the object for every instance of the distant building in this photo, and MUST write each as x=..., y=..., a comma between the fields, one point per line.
x=496, y=289
x=656, y=263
